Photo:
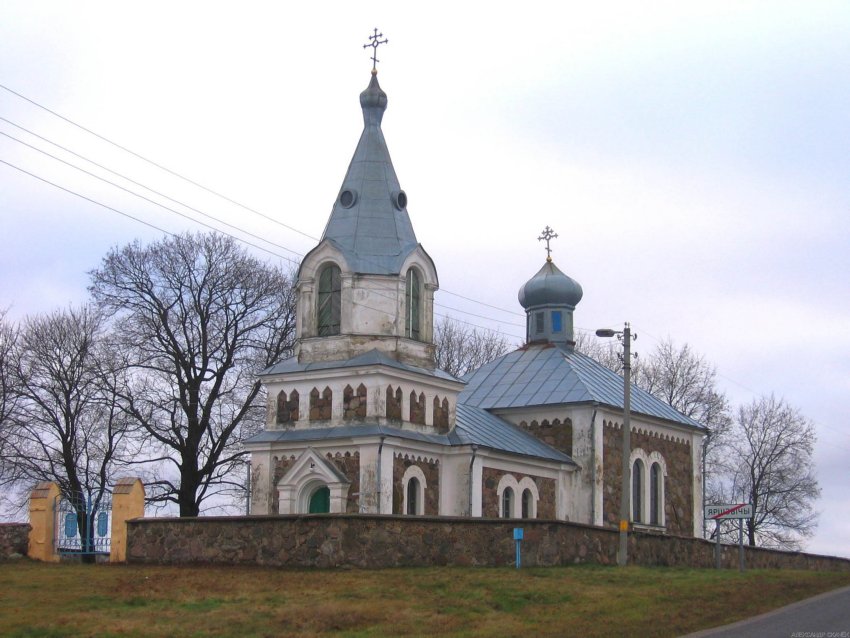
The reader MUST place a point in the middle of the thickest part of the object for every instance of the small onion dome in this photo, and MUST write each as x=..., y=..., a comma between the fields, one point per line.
x=550, y=287
x=373, y=101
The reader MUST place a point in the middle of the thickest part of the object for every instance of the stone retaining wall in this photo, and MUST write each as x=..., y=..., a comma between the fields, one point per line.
x=14, y=538
x=370, y=541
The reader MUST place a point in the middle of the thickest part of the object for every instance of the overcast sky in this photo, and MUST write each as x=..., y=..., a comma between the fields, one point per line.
x=693, y=157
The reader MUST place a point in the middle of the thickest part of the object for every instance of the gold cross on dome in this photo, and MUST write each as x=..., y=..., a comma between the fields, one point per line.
x=374, y=42
x=548, y=235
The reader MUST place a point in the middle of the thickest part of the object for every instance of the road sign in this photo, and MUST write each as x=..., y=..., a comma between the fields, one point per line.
x=724, y=512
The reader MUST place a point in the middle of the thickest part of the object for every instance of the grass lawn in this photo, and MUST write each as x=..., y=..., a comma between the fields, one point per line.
x=52, y=600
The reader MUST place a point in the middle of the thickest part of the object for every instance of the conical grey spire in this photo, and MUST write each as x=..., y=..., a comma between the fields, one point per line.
x=369, y=222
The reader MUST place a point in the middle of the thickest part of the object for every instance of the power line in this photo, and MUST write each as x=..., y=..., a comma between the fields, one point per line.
x=171, y=234
x=190, y=181
x=147, y=199
x=120, y=212
x=152, y=163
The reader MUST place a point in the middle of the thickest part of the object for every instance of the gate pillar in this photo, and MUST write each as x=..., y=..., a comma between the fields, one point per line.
x=128, y=501
x=42, y=522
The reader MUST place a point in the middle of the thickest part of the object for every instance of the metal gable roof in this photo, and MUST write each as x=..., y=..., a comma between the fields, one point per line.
x=474, y=426
x=547, y=374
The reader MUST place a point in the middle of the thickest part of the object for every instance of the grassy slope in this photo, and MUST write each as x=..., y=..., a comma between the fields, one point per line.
x=102, y=600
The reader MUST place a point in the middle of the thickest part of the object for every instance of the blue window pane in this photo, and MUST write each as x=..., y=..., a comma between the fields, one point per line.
x=557, y=323
x=102, y=522
x=70, y=525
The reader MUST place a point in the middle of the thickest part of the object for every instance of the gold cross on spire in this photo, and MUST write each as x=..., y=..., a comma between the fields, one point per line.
x=548, y=235
x=374, y=42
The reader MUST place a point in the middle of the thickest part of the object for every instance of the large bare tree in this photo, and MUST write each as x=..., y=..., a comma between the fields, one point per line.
x=461, y=348
x=66, y=426
x=198, y=318
x=8, y=397
x=769, y=464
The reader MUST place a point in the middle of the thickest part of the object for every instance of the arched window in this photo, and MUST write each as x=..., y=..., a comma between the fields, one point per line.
x=412, y=497
x=330, y=293
x=507, y=503
x=655, y=495
x=527, y=504
x=637, y=491
x=413, y=484
x=412, y=302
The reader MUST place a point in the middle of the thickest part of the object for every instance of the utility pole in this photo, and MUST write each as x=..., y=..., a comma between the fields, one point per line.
x=625, y=487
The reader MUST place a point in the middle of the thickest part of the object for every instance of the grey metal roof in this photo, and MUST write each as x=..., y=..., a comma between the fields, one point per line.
x=476, y=426
x=373, y=357
x=373, y=233
x=472, y=427
x=549, y=374
x=345, y=432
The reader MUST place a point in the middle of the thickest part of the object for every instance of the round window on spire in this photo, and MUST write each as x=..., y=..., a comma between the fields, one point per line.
x=400, y=200
x=347, y=198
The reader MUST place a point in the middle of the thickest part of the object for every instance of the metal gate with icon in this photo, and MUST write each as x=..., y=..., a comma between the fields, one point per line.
x=83, y=525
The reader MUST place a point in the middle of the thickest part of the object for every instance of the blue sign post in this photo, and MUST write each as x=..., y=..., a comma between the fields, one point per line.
x=518, y=539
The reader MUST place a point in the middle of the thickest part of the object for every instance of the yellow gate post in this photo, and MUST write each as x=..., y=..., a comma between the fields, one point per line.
x=128, y=501
x=43, y=522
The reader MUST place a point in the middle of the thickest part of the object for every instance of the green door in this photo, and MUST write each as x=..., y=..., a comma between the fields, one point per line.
x=320, y=501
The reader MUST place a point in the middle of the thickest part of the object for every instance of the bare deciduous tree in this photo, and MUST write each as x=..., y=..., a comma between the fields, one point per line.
x=461, y=348
x=66, y=426
x=199, y=318
x=770, y=465
x=8, y=398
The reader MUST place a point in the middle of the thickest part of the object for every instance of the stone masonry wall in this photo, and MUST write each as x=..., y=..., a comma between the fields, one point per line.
x=349, y=464
x=678, y=484
x=431, y=470
x=370, y=541
x=14, y=538
x=490, y=500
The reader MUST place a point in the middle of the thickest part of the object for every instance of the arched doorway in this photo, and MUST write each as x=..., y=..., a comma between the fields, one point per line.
x=320, y=501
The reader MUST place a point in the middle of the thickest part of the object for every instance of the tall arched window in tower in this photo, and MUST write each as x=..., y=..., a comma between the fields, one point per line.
x=330, y=293
x=412, y=304
x=637, y=491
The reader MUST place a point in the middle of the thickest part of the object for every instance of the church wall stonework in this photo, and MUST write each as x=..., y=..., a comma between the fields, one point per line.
x=678, y=484
x=556, y=433
x=371, y=541
x=349, y=465
x=431, y=469
x=490, y=478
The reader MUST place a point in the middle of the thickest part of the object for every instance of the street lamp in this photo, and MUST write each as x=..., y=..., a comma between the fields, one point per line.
x=626, y=337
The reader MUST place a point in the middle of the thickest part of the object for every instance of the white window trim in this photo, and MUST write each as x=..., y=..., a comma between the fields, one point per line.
x=508, y=480
x=646, y=487
x=527, y=483
x=414, y=471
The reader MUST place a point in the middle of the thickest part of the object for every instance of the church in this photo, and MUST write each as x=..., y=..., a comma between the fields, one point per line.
x=360, y=420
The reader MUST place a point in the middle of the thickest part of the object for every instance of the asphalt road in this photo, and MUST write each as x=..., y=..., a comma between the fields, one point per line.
x=823, y=616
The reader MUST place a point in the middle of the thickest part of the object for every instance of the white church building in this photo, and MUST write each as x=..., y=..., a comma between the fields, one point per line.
x=359, y=420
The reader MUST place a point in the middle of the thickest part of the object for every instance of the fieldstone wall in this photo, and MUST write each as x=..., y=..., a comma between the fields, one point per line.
x=678, y=484
x=14, y=539
x=431, y=469
x=371, y=541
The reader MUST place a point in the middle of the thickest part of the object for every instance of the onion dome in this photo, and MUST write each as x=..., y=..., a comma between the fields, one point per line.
x=550, y=287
